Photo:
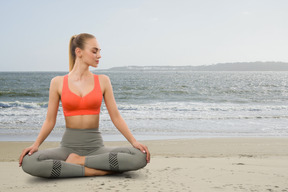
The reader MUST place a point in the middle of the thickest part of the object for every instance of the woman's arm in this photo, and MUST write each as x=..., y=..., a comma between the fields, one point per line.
x=50, y=121
x=52, y=110
x=116, y=117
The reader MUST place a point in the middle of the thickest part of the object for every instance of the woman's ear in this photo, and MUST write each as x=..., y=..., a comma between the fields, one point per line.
x=78, y=52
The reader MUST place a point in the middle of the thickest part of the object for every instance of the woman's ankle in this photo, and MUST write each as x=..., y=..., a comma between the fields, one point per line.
x=75, y=159
x=95, y=172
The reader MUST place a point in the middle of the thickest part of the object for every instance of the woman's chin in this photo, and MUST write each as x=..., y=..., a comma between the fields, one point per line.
x=94, y=66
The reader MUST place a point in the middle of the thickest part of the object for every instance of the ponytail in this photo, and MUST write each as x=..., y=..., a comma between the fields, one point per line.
x=77, y=41
x=72, y=56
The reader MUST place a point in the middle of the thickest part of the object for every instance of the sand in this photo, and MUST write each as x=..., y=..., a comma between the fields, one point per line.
x=216, y=164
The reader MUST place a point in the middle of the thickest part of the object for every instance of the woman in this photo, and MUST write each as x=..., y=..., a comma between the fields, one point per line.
x=82, y=152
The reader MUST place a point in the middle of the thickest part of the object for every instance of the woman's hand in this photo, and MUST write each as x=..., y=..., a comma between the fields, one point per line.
x=142, y=148
x=30, y=150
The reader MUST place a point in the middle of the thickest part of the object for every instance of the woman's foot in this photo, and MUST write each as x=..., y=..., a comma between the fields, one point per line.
x=95, y=172
x=80, y=160
x=76, y=159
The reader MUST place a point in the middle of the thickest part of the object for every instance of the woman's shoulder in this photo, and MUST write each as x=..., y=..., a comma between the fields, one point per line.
x=57, y=81
x=104, y=81
x=103, y=77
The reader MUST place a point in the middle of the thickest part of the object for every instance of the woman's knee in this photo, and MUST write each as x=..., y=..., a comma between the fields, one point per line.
x=29, y=164
x=139, y=159
x=33, y=166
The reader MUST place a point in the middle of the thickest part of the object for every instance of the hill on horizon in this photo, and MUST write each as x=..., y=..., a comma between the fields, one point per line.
x=238, y=66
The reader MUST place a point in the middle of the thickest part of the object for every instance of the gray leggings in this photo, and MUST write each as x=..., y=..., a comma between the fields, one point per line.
x=84, y=142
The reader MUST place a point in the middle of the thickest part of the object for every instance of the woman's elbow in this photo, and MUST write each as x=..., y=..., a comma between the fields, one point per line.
x=50, y=122
x=115, y=118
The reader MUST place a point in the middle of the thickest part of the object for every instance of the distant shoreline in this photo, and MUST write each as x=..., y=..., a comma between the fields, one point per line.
x=238, y=66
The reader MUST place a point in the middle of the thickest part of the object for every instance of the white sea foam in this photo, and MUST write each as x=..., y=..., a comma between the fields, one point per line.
x=194, y=104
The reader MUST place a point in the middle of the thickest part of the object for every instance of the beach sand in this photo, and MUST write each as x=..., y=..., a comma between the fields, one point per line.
x=216, y=164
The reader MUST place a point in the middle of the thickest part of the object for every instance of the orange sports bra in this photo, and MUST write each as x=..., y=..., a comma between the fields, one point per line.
x=89, y=104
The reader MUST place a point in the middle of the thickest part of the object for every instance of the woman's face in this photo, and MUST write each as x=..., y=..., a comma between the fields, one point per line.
x=91, y=52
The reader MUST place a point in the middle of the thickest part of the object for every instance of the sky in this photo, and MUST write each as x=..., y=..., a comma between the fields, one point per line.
x=35, y=34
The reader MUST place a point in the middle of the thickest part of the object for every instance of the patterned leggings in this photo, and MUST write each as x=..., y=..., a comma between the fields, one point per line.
x=84, y=142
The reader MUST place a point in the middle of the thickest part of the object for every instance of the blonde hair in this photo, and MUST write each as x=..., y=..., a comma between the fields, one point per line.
x=77, y=41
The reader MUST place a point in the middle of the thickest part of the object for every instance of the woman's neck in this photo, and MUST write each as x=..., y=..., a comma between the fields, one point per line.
x=80, y=70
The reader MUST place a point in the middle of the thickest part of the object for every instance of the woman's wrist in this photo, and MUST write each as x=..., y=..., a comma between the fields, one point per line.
x=134, y=142
x=36, y=144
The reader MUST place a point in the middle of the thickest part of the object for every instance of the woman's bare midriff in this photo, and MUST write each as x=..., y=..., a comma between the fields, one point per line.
x=82, y=121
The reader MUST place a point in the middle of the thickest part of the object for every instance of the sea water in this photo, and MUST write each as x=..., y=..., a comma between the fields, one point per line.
x=158, y=104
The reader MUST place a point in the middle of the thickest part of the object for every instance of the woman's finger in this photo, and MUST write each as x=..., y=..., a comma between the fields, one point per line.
x=140, y=148
x=33, y=150
x=25, y=151
x=147, y=154
x=144, y=149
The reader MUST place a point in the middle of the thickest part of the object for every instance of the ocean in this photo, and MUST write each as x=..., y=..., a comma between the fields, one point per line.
x=158, y=104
